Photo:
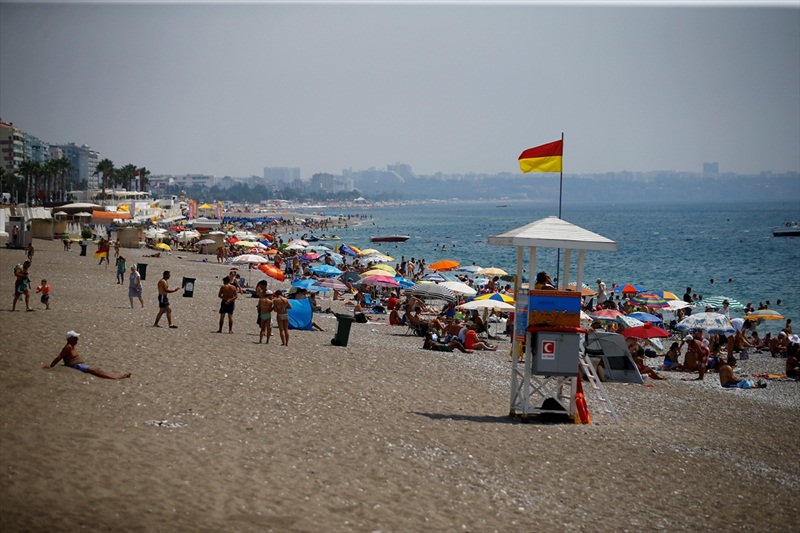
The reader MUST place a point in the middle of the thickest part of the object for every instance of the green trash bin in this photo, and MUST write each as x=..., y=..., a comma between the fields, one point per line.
x=342, y=329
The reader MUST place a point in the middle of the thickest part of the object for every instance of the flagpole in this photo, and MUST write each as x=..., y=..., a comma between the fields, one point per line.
x=560, y=191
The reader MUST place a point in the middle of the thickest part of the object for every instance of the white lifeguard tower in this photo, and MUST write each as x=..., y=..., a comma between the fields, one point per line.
x=548, y=380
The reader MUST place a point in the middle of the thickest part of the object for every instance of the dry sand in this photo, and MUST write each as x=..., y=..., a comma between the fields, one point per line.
x=217, y=433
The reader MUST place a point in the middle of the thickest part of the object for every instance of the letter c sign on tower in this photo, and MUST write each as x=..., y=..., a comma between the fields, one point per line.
x=548, y=349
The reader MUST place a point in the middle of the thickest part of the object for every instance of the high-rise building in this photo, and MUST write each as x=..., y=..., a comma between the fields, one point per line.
x=12, y=146
x=83, y=161
x=282, y=174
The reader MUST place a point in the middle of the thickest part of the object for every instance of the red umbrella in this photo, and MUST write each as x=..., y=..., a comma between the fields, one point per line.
x=629, y=289
x=272, y=271
x=232, y=240
x=648, y=331
x=606, y=315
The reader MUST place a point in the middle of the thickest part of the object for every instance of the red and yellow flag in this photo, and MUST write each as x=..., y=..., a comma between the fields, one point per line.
x=544, y=158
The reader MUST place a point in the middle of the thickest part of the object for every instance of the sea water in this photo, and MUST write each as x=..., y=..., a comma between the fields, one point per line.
x=659, y=246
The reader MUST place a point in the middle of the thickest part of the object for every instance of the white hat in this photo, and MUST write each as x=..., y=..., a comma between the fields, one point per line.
x=268, y=293
x=688, y=338
x=795, y=339
x=71, y=334
x=705, y=342
x=782, y=334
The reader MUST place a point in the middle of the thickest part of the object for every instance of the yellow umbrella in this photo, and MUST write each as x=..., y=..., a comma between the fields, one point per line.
x=370, y=251
x=374, y=272
x=496, y=296
x=205, y=206
x=492, y=271
x=245, y=244
x=387, y=268
x=163, y=246
x=764, y=314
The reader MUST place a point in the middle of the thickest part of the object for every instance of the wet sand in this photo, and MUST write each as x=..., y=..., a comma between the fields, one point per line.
x=214, y=432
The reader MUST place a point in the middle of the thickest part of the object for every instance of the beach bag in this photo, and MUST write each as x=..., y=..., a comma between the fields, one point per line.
x=744, y=355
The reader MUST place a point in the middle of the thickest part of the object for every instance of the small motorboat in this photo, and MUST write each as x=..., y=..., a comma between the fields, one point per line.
x=790, y=229
x=391, y=238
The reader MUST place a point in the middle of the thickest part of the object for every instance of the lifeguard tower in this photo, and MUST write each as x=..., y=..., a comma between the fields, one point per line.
x=547, y=324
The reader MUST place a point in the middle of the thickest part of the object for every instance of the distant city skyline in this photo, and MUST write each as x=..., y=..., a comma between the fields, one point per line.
x=230, y=89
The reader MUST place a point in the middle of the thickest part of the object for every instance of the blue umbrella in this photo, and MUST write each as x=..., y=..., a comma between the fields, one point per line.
x=326, y=270
x=646, y=317
x=308, y=284
x=434, y=277
x=404, y=282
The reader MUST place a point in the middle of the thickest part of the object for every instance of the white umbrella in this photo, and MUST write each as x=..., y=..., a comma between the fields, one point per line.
x=486, y=304
x=251, y=259
x=433, y=292
x=674, y=305
x=459, y=288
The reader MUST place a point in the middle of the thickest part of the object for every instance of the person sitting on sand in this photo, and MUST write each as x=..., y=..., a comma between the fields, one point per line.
x=792, y=356
x=671, y=358
x=69, y=354
x=471, y=341
x=779, y=344
x=394, y=318
x=644, y=370
x=729, y=380
x=435, y=345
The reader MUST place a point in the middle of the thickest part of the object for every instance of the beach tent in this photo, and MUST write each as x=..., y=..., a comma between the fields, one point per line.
x=612, y=349
x=301, y=315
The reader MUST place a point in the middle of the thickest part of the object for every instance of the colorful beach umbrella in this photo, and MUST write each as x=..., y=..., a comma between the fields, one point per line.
x=251, y=259
x=666, y=295
x=380, y=281
x=444, y=264
x=460, y=288
x=764, y=314
x=272, y=271
x=405, y=283
x=629, y=288
x=646, y=317
x=495, y=296
x=326, y=270
x=163, y=246
x=649, y=300
x=330, y=283
x=433, y=291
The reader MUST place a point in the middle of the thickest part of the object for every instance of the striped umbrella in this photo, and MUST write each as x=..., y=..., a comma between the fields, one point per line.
x=606, y=315
x=716, y=302
x=708, y=322
x=649, y=300
x=629, y=288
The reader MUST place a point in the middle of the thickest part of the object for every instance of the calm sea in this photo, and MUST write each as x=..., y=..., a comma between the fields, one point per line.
x=662, y=247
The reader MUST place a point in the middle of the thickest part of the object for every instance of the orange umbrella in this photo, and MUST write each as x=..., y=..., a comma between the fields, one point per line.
x=271, y=251
x=272, y=271
x=444, y=264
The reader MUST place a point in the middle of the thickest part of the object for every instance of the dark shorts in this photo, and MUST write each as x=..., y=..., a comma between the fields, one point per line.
x=163, y=300
x=226, y=308
x=45, y=298
x=83, y=367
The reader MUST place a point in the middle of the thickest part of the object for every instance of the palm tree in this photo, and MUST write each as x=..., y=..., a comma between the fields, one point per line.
x=143, y=178
x=127, y=174
x=30, y=170
x=63, y=167
x=106, y=166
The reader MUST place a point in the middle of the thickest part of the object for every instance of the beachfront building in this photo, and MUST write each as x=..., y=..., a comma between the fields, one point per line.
x=83, y=164
x=11, y=146
x=282, y=174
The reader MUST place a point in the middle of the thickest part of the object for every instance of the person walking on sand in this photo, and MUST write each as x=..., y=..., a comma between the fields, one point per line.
x=281, y=306
x=22, y=285
x=44, y=289
x=120, y=270
x=163, y=300
x=69, y=354
x=228, y=294
x=135, y=286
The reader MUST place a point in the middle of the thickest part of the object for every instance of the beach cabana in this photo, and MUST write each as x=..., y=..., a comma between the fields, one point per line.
x=530, y=393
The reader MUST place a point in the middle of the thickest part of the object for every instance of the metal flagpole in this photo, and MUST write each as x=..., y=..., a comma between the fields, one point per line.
x=560, y=190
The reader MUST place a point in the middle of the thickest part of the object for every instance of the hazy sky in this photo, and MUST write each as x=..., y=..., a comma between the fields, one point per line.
x=229, y=89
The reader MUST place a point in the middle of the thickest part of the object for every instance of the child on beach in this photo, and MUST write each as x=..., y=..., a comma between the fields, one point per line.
x=44, y=288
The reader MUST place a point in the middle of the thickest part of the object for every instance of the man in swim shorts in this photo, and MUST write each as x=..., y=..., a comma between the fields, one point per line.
x=728, y=380
x=163, y=300
x=69, y=354
x=228, y=295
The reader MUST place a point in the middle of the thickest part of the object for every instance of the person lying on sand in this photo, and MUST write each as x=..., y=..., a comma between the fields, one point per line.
x=728, y=380
x=69, y=354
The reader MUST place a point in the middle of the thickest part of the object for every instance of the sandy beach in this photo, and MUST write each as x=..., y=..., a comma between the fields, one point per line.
x=215, y=432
